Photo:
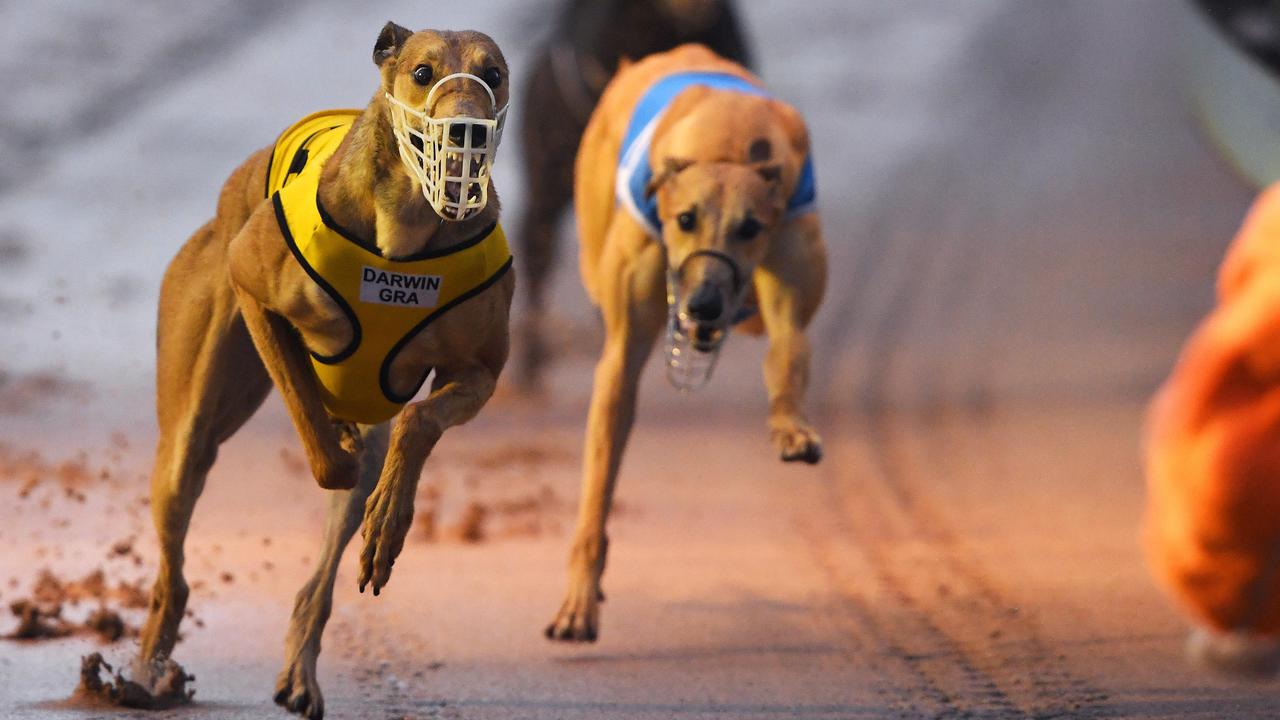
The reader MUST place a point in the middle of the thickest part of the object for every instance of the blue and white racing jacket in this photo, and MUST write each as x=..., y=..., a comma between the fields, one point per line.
x=634, y=172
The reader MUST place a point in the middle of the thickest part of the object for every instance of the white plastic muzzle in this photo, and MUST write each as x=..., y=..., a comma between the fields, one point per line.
x=691, y=363
x=688, y=367
x=449, y=156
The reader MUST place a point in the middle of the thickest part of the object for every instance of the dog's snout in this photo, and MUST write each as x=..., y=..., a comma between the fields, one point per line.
x=458, y=134
x=706, y=305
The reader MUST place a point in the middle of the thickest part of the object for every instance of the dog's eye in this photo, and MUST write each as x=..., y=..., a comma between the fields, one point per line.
x=493, y=78
x=687, y=220
x=422, y=74
x=749, y=228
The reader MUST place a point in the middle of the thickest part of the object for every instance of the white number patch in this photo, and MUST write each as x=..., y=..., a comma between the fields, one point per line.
x=382, y=287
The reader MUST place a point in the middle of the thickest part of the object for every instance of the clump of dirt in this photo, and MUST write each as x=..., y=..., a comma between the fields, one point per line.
x=108, y=625
x=27, y=391
x=158, y=685
x=49, y=588
x=125, y=550
x=470, y=526
x=36, y=622
x=45, y=622
x=426, y=523
x=527, y=515
x=504, y=493
x=40, y=616
x=32, y=469
x=71, y=484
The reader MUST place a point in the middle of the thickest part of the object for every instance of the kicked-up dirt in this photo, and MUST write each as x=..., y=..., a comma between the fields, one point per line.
x=156, y=686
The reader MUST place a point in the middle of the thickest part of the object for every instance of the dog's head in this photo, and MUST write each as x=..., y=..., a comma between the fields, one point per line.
x=447, y=94
x=718, y=219
x=723, y=164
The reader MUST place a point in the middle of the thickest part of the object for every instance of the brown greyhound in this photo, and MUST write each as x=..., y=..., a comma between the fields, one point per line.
x=356, y=269
x=694, y=194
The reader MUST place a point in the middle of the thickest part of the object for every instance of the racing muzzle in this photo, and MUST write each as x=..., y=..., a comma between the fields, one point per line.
x=451, y=157
x=691, y=360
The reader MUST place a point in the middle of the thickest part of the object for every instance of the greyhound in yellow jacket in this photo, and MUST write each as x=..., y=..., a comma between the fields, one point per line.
x=344, y=264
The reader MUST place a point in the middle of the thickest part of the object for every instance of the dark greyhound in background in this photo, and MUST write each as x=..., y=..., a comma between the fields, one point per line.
x=591, y=38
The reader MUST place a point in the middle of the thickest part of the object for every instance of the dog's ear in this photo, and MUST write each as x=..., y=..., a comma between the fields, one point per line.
x=771, y=173
x=670, y=168
x=390, y=40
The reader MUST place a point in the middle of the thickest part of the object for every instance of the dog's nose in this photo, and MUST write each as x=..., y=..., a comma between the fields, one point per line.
x=706, y=305
x=458, y=134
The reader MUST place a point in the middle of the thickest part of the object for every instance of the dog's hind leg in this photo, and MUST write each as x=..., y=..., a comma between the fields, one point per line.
x=297, y=687
x=633, y=304
x=209, y=381
x=789, y=285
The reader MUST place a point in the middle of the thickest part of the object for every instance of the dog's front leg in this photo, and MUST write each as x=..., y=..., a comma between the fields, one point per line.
x=331, y=451
x=261, y=272
x=790, y=284
x=458, y=395
x=634, y=307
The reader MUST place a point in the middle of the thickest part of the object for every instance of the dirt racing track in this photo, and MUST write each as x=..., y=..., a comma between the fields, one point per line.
x=1023, y=223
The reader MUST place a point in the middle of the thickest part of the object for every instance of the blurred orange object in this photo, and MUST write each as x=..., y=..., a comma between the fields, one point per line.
x=1212, y=448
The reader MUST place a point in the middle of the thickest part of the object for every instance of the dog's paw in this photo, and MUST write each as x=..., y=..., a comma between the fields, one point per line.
x=387, y=517
x=298, y=692
x=579, y=616
x=1241, y=655
x=797, y=442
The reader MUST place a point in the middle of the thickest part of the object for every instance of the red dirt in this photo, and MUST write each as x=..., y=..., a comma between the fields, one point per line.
x=26, y=392
x=158, y=686
x=38, y=623
x=40, y=615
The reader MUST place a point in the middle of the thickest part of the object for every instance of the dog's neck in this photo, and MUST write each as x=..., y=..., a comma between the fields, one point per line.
x=365, y=189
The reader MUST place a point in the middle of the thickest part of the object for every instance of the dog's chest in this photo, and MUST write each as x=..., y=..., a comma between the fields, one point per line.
x=375, y=327
x=455, y=339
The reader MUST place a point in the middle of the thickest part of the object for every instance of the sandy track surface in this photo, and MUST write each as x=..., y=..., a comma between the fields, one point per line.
x=1023, y=224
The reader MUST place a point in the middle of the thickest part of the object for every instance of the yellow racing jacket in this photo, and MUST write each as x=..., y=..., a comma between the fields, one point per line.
x=388, y=302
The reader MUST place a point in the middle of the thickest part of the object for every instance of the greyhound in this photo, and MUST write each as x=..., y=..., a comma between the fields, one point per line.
x=344, y=263
x=695, y=197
